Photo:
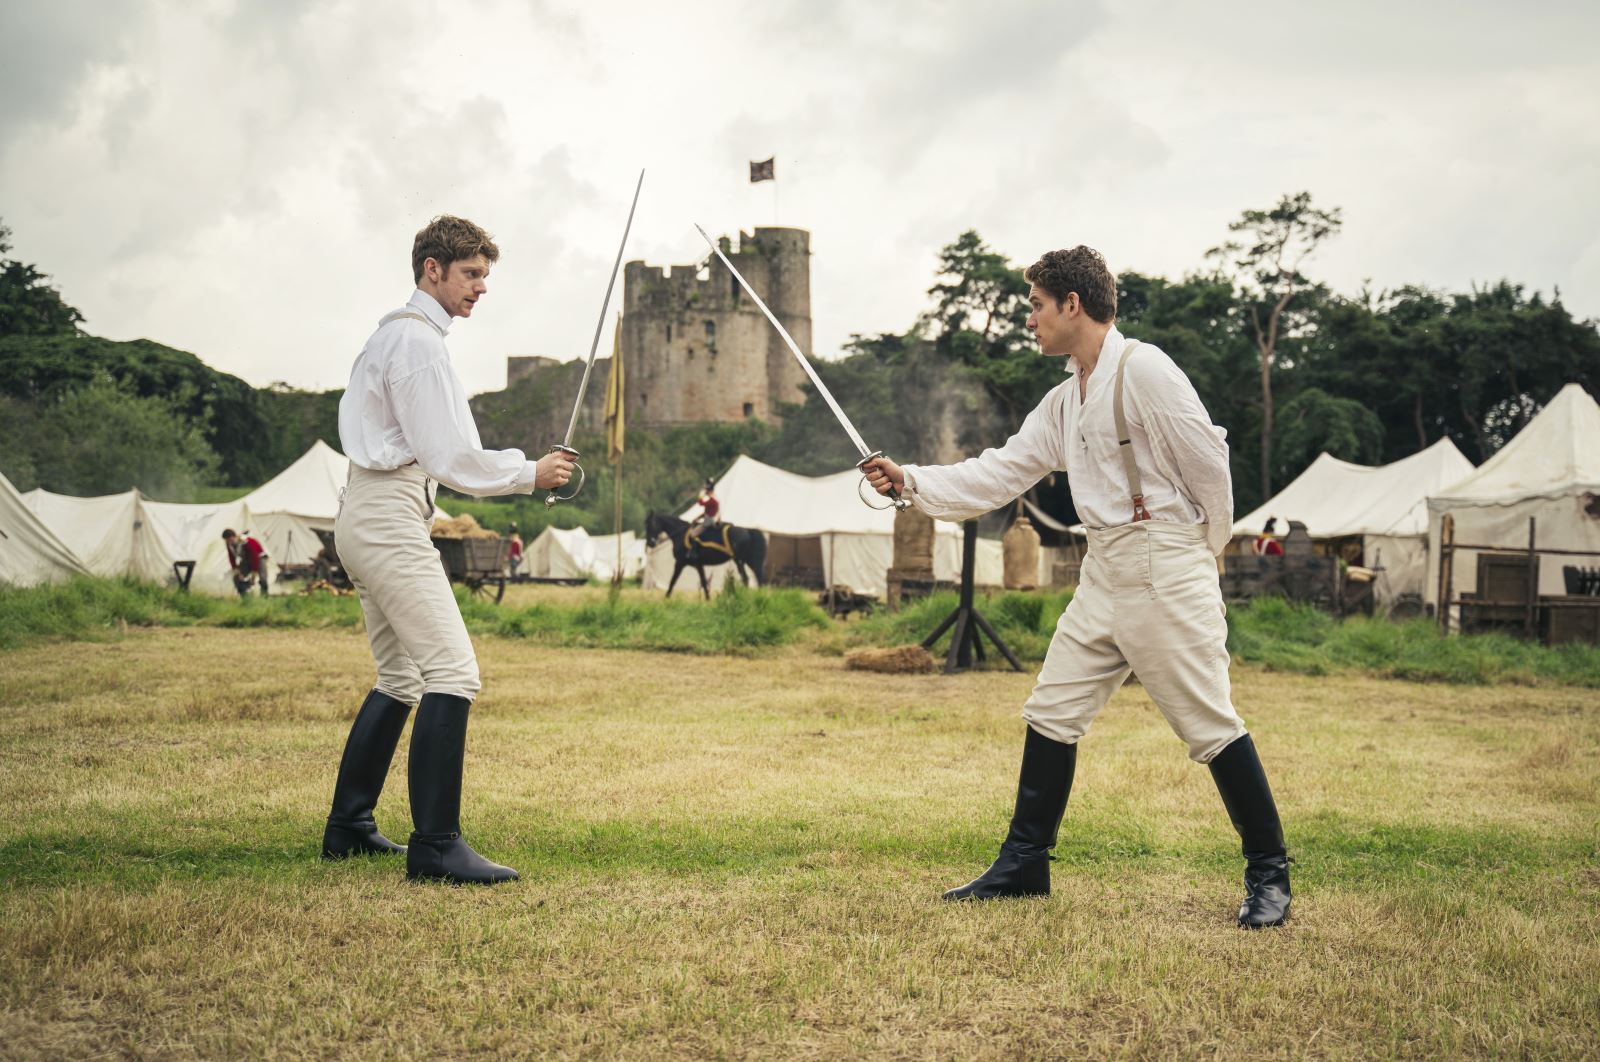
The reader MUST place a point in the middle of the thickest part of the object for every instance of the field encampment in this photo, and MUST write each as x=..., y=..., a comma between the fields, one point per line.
x=742, y=855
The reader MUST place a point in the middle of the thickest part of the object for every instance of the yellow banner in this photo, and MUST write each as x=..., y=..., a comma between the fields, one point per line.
x=614, y=399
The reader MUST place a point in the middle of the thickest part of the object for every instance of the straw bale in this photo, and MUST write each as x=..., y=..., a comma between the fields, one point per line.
x=463, y=526
x=894, y=660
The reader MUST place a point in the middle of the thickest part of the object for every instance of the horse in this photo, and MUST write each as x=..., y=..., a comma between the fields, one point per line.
x=746, y=547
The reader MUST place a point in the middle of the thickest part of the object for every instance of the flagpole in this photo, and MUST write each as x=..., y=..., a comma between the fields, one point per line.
x=616, y=573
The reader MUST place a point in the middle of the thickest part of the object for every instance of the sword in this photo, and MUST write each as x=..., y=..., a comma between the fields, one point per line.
x=565, y=445
x=866, y=453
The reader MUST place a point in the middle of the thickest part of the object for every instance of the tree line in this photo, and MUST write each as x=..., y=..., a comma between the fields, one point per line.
x=1288, y=366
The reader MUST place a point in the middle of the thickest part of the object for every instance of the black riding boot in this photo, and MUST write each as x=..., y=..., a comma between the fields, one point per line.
x=1243, y=785
x=1023, y=866
x=438, y=745
x=368, y=751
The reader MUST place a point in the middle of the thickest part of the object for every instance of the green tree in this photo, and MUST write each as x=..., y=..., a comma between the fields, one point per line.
x=1313, y=421
x=22, y=433
x=28, y=305
x=1474, y=367
x=1267, y=265
x=1198, y=322
x=979, y=320
x=43, y=368
x=102, y=439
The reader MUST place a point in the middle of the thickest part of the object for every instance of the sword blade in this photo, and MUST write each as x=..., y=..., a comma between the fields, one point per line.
x=594, y=347
x=794, y=348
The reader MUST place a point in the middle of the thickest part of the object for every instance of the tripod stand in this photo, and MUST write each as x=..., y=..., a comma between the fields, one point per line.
x=968, y=621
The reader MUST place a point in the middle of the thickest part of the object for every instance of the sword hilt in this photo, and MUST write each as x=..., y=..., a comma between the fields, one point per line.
x=553, y=497
x=895, y=500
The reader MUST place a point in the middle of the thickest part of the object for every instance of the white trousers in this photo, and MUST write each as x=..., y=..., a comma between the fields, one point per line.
x=1148, y=601
x=418, y=639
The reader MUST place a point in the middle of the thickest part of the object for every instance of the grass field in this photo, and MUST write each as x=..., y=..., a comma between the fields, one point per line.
x=737, y=856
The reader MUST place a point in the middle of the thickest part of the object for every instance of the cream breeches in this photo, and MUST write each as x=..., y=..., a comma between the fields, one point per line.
x=419, y=641
x=1148, y=601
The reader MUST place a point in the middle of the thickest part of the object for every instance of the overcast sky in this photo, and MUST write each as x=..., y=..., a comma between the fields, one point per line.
x=243, y=180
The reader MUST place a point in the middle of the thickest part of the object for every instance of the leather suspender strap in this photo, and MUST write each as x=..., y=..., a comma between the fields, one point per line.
x=414, y=316
x=1125, y=440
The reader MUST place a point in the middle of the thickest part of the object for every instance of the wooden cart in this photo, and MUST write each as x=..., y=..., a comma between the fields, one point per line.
x=477, y=563
x=325, y=566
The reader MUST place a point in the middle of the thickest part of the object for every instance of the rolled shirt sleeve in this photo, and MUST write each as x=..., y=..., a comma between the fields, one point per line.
x=998, y=475
x=429, y=405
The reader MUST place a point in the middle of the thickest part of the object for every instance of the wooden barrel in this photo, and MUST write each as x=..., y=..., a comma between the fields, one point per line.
x=1020, y=548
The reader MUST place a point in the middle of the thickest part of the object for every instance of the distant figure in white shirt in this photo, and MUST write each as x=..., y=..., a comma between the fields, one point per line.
x=406, y=427
x=1157, y=499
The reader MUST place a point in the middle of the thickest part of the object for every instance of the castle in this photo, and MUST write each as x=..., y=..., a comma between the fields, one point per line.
x=698, y=349
x=695, y=346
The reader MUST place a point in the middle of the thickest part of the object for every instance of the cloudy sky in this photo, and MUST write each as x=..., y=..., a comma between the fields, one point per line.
x=242, y=180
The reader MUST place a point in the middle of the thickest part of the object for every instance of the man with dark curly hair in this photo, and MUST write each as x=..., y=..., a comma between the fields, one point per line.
x=1150, y=479
x=405, y=424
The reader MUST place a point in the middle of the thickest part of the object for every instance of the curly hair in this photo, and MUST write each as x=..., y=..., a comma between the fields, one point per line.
x=448, y=239
x=1081, y=270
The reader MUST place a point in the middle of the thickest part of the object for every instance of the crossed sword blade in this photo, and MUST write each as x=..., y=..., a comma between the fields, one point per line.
x=565, y=445
x=794, y=348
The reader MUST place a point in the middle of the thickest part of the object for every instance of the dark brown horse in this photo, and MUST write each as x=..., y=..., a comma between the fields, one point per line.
x=746, y=547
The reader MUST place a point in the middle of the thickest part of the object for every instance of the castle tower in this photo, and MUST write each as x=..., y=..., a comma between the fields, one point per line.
x=696, y=347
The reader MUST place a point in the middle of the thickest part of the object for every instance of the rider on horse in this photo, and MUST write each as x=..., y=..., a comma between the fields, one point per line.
x=706, y=523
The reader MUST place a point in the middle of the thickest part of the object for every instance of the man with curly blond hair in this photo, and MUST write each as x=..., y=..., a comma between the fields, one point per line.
x=1150, y=479
x=405, y=424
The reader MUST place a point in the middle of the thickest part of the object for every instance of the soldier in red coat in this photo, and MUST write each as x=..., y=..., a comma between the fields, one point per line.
x=709, y=507
x=248, y=559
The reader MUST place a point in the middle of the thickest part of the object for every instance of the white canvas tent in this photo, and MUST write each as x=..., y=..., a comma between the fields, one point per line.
x=118, y=535
x=290, y=507
x=1549, y=472
x=110, y=534
x=559, y=553
x=30, y=552
x=605, y=555
x=856, y=543
x=194, y=532
x=1385, y=505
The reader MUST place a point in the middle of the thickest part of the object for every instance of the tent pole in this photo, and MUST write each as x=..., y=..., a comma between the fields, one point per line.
x=1532, y=611
x=1447, y=534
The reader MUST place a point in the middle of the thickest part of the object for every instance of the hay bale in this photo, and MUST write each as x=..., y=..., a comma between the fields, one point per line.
x=463, y=526
x=895, y=660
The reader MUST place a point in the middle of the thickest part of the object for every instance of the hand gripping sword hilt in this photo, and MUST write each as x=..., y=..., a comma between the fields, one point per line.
x=895, y=499
x=551, y=498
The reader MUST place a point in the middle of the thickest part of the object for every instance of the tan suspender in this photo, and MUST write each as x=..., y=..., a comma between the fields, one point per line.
x=414, y=316
x=1125, y=441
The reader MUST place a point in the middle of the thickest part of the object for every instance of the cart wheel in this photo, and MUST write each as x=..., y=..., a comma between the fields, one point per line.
x=493, y=589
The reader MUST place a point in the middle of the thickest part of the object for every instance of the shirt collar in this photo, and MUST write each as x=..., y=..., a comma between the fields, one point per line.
x=430, y=307
x=1110, y=354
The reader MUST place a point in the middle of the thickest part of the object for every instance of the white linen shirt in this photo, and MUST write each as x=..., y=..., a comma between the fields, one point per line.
x=1182, y=456
x=405, y=403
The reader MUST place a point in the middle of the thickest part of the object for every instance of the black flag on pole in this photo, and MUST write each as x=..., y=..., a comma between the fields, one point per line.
x=762, y=171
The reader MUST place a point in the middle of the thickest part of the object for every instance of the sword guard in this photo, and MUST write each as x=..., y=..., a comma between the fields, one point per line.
x=895, y=500
x=551, y=498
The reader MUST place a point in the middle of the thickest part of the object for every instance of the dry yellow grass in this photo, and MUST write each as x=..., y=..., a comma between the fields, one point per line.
x=743, y=858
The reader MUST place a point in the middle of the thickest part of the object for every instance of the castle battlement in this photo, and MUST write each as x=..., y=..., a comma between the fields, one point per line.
x=698, y=349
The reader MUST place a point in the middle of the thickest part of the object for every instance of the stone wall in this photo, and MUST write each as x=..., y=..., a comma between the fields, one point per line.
x=698, y=349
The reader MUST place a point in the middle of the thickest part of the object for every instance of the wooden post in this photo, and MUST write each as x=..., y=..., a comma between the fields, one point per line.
x=1528, y=620
x=616, y=527
x=1447, y=535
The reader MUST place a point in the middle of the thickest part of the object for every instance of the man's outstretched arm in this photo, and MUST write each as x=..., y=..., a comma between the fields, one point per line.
x=984, y=483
